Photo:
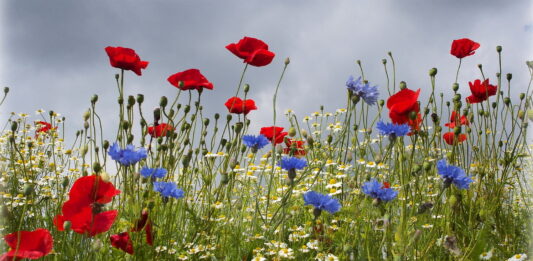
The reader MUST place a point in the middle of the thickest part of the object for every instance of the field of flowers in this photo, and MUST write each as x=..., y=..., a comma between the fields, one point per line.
x=387, y=176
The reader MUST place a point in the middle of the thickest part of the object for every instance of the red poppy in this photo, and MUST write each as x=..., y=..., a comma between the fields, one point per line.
x=160, y=130
x=33, y=244
x=274, y=134
x=402, y=104
x=43, y=126
x=84, y=207
x=123, y=242
x=386, y=184
x=455, y=120
x=145, y=223
x=190, y=79
x=296, y=147
x=238, y=106
x=481, y=91
x=126, y=59
x=463, y=47
x=254, y=51
x=449, y=137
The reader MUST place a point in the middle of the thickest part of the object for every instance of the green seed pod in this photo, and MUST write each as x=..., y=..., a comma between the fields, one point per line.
x=238, y=127
x=120, y=100
x=521, y=114
x=457, y=130
x=125, y=125
x=413, y=115
x=381, y=103
x=171, y=113
x=500, y=143
x=432, y=72
x=455, y=87
x=130, y=138
x=246, y=88
x=499, y=48
x=163, y=101
x=65, y=182
x=187, y=109
x=131, y=100
x=86, y=115
x=140, y=98
x=355, y=99
x=14, y=126
x=157, y=114
x=106, y=144
x=229, y=117
x=292, y=132
x=96, y=167
x=83, y=150
x=206, y=122
x=86, y=125
x=94, y=99
x=509, y=76
x=6, y=90
x=403, y=85
x=384, y=61
x=522, y=96
x=67, y=225
x=330, y=139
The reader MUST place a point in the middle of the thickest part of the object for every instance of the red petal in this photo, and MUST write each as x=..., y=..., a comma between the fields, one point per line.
x=33, y=244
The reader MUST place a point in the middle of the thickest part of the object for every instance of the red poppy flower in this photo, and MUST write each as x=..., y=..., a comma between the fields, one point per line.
x=33, y=244
x=123, y=242
x=386, y=184
x=455, y=120
x=274, y=134
x=294, y=146
x=160, y=130
x=83, y=209
x=463, y=47
x=254, y=51
x=402, y=104
x=481, y=91
x=191, y=79
x=126, y=59
x=449, y=137
x=238, y=106
x=145, y=223
x=43, y=126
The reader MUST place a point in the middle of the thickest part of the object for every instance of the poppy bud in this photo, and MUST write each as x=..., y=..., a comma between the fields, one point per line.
x=457, y=130
x=6, y=90
x=140, y=98
x=506, y=101
x=86, y=115
x=358, y=62
x=499, y=48
x=106, y=144
x=381, y=103
x=403, y=85
x=187, y=109
x=287, y=61
x=67, y=225
x=292, y=132
x=238, y=127
x=321, y=107
x=480, y=66
x=157, y=114
x=447, y=104
x=96, y=167
x=435, y=117
x=310, y=141
x=206, y=122
x=433, y=72
x=494, y=105
x=117, y=76
x=86, y=125
x=426, y=111
x=228, y=117
x=163, y=102
x=14, y=126
x=330, y=138
x=384, y=61
x=171, y=113
x=125, y=124
x=457, y=97
x=131, y=101
x=130, y=139
x=83, y=150
x=217, y=116
x=246, y=88
x=457, y=105
x=455, y=87
x=120, y=100
x=522, y=96
x=509, y=76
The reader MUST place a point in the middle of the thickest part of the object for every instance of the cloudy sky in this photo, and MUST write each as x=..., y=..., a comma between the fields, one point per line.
x=52, y=52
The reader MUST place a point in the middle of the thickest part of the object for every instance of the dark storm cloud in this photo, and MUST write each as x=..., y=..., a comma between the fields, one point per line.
x=53, y=55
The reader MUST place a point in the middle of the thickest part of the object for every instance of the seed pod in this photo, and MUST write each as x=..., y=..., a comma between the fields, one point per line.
x=131, y=101
x=455, y=87
x=292, y=132
x=433, y=72
x=163, y=101
x=140, y=98
x=403, y=85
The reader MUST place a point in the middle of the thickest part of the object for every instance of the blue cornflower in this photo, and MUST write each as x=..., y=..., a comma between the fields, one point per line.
x=255, y=142
x=291, y=164
x=127, y=156
x=368, y=93
x=168, y=189
x=321, y=202
x=393, y=130
x=453, y=174
x=155, y=172
x=379, y=191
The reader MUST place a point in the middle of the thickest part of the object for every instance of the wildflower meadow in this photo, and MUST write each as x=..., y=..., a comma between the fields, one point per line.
x=384, y=176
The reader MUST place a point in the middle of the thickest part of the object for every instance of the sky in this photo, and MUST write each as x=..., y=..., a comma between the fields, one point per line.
x=52, y=52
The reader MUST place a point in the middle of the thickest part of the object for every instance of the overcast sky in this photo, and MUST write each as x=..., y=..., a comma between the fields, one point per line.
x=52, y=52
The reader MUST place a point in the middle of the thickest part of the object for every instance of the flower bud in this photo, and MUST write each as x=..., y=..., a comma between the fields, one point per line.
x=229, y=117
x=83, y=150
x=87, y=115
x=217, y=116
x=433, y=72
x=507, y=101
x=120, y=100
x=317, y=212
x=480, y=66
x=457, y=130
x=206, y=122
x=14, y=126
x=521, y=114
x=187, y=109
x=403, y=85
x=140, y=98
x=455, y=87
x=125, y=124
x=6, y=90
x=96, y=167
x=157, y=114
x=67, y=225
x=246, y=88
x=522, y=96
x=499, y=48
x=131, y=101
x=435, y=118
x=163, y=102
x=381, y=103
x=238, y=127
x=287, y=61
x=509, y=76
x=413, y=115
x=384, y=61
x=292, y=132
x=355, y=99
x=106, y=144
x=94, y=99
